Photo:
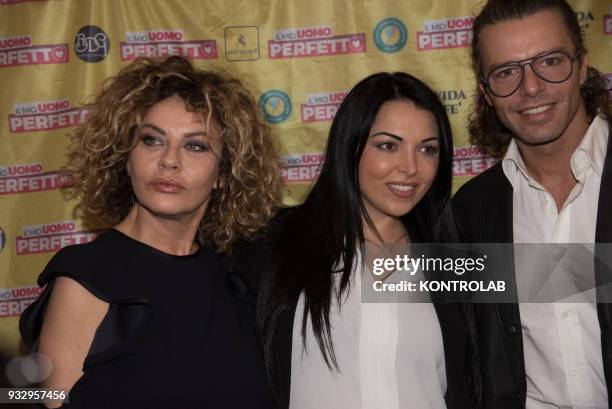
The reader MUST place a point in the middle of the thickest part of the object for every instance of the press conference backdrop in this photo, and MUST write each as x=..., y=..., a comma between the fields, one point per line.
x=299, y=57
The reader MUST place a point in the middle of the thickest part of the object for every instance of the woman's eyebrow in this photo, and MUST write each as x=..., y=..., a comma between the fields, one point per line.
x=433, y=138
x=196, y=133
x=187, y=135
x=397, y=137
x=155, y=128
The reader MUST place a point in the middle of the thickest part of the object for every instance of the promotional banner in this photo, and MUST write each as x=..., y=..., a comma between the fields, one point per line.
x=299, y=58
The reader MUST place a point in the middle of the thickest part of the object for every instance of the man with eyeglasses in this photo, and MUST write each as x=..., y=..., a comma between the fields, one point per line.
x=545, y=113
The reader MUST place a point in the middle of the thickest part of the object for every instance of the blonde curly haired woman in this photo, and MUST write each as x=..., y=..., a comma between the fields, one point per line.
x=179, y=160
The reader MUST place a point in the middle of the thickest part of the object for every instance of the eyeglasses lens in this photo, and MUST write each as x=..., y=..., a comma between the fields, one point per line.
x=551, y=67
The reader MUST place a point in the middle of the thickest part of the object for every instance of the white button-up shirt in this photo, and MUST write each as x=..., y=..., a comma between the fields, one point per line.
x=390, y=355
x=561, y=341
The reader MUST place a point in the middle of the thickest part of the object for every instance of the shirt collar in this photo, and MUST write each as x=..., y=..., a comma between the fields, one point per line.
x=590, y=153
x=513, y=165
x=592, y=148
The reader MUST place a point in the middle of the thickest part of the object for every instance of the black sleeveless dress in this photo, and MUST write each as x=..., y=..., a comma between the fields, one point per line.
x=179, y=333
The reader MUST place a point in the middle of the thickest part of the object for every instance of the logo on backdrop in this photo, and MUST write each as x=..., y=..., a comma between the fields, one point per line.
x=160, y=43
x=50, y=237
x=453, y=32
x=31, y=177
x=585, y=18
x=452, y=100
x=19, y=50
x=275, y=106
x=2, y=239
x=45, y=116
x=13, y=301
x=321, y=106
x=314, y=42
x=607, y=24
x=91, y=44
x=470, y=161
x=242, y=43
x=302, y=167
x=390, y=35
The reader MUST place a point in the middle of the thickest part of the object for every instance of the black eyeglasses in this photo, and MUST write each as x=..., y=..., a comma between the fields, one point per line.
x=551, y=66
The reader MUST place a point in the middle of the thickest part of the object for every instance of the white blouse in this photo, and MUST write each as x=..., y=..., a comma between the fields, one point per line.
x=390, y=356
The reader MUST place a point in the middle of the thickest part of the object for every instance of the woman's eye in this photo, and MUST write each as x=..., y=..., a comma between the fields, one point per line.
x=150, y=140
x=197, y=147
x=387, y=146
x=430, y=149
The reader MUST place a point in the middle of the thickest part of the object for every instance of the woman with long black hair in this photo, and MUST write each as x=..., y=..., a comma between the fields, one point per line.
x=386, y=181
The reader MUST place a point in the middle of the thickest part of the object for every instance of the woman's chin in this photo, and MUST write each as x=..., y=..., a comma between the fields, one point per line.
x=172, y=211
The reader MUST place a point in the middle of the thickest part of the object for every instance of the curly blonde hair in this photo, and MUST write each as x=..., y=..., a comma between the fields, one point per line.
x=249, y=163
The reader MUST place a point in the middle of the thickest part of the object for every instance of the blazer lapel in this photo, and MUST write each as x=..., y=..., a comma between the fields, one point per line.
x=603, y=261
x=499, y=216
x=498, y=220
x=603, y=231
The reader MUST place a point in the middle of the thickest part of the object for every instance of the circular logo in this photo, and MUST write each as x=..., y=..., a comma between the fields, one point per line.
x=2, y=239
x=275, y=106
x=91, y=44
x=390, y=35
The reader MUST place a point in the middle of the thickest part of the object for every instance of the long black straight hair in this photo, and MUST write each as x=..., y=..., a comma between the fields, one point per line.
x=321, y=237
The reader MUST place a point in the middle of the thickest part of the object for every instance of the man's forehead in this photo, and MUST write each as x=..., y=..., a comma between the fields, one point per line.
x=526, y=37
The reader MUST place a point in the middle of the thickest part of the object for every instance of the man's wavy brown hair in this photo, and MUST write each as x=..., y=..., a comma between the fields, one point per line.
x=249, y=163
x=486, y=130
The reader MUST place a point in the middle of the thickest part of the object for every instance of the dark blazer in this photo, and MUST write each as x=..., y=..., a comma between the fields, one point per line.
x=483, y=209
x=252, y=263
